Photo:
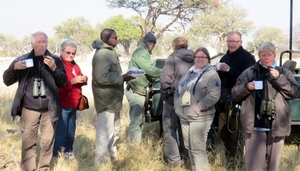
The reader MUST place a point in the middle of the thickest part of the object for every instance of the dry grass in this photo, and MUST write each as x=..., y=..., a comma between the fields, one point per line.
x=147, y=157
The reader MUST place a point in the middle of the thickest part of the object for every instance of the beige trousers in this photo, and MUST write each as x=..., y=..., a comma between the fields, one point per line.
x=29, y=124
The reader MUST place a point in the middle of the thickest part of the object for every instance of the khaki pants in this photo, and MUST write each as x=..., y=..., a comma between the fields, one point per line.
x=107, y=135
x=195, y=137
x=29, y=124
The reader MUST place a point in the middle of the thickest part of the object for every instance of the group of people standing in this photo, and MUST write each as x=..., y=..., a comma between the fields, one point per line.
x=195, y=96
x=191, y=91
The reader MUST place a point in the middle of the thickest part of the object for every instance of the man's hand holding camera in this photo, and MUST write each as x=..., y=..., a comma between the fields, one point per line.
x=50, y=62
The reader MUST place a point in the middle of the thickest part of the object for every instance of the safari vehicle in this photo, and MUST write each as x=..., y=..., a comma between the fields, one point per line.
x=295, y=103
x=153, y=106
x=291, y=64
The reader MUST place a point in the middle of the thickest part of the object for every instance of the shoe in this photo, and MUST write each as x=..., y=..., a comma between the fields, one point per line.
x=114, y=158
x=69, y=155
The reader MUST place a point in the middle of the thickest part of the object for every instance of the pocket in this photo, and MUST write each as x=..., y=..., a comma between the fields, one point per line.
x=197, y=109
x=22, y=122
x=186, y=99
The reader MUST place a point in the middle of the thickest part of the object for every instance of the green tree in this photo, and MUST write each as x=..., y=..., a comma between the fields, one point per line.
x=126, y=31
x=171, y=12
x=54, y=45
x=214, y=26
x=14, y=47
x=271, y=34
x=80, y=31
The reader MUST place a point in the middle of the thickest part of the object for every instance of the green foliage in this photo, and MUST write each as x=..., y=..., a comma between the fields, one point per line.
x=54, y=44
x=80, y=31
x=214, y=26
x=126, y=31
x=13, y=46
x=271, y=34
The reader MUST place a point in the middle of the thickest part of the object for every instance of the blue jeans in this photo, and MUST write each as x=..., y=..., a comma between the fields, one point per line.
x=65, y=131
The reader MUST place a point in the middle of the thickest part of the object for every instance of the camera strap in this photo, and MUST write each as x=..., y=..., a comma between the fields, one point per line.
x=237, y=107
x=273, y=103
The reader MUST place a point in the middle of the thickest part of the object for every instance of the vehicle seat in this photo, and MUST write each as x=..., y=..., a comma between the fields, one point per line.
x=290, y=65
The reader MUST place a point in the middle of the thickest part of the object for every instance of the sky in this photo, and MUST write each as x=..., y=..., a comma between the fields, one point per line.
x=21, y=18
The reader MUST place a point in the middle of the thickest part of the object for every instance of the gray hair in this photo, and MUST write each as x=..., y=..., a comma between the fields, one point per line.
x=266, y=46
x=68, y=43
x=234, y=32
x=38, y=33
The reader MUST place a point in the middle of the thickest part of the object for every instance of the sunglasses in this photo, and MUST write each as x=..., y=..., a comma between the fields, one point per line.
x=73, y=53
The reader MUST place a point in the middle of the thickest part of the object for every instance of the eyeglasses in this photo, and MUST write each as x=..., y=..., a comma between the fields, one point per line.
x=73, y=53
x=200, y=57
x=116, y=38
x=233, y=41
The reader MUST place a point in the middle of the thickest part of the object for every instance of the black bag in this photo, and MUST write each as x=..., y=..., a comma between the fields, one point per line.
x=225, y=95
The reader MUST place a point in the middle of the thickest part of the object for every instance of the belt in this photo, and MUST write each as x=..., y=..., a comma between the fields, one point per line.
x=139, y=93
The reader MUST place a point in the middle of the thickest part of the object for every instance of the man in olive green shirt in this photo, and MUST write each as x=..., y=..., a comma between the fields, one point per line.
x=136, y=94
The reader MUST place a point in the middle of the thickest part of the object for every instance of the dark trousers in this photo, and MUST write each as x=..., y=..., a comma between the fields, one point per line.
x=232, y=141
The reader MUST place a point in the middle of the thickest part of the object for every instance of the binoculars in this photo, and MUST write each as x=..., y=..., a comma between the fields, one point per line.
x=39, y=88
x=266, y=107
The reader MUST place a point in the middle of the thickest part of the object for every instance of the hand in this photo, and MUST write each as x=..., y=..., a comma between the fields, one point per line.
x=20, y=65
x=274, y=73
x=197, y=108
x=251, y=85
x=152, y=80
x=50, y=62
x=127, y=77
x=78, y=79
x=224, y=67
x=84, y=78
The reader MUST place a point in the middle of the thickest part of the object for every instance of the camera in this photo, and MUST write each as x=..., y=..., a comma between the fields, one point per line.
x=38, y=88
x=169, y=93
